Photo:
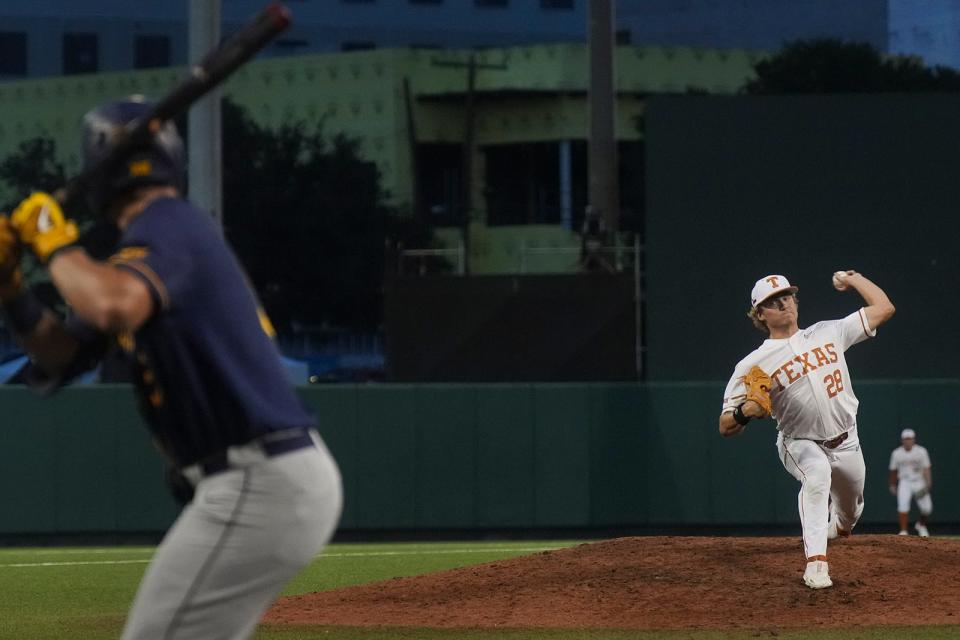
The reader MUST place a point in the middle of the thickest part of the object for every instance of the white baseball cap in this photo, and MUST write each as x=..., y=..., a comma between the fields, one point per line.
x=770, y=286
x=907, y=433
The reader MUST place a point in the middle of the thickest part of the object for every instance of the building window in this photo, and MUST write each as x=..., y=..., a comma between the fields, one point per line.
x=151, y=51
x=440, y=194
x=491, y=3
x=13, y=53
x=523, y=182
x=80, y=53
x=357, y=46
x=556, y=4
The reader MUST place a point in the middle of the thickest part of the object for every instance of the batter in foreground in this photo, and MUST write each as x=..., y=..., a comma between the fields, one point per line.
x=174, y=300
x=800, y=378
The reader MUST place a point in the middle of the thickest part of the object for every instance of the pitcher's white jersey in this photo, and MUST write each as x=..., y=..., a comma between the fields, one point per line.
x=812, y=392
x=909, y=465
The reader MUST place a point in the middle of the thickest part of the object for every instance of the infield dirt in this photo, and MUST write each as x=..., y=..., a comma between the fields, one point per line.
x=662, y=583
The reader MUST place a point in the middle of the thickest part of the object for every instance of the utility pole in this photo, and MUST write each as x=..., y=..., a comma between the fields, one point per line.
x=466, y=162
x=466, y=197
x=204, y=145
x=604, y=190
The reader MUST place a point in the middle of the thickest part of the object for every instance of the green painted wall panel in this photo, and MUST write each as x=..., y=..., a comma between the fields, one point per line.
x=933, y=411
x=86, y=471
x=337, y=411
x=505, y=462
x=785, y=510
x=446, y=484
x=28, y=442
x=878, y=419
x=743, y=475
x=679, y=421
x=621, y=485
x=143, y=501
x=562, y=455
x=387, y=461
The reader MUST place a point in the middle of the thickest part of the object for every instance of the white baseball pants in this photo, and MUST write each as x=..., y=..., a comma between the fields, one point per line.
x=248, y=531
x=825, y=474
x=905, y=491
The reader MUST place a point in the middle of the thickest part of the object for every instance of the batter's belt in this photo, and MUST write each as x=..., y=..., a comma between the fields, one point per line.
x=258, y=449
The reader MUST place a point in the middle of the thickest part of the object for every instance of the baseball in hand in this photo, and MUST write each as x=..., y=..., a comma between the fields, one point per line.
x=839, y=280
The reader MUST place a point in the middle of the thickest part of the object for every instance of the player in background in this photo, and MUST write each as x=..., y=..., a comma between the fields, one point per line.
x=911, y=479
x=814, y=406
x=212, y=390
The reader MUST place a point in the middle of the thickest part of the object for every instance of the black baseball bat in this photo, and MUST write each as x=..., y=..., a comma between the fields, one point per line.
x=215, y=67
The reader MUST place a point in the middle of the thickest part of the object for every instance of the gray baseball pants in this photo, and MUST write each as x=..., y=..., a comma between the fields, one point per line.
x=248, y=531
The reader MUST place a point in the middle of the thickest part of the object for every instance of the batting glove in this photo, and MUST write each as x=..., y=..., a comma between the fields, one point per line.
x=41, y=225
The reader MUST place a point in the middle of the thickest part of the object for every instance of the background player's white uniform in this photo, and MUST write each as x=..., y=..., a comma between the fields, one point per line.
x=909, y=466
x=816, y=413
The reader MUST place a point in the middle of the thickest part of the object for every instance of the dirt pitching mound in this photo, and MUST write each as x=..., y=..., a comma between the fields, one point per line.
x=662, y=583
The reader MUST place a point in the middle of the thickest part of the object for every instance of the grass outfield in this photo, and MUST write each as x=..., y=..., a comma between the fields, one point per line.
x=58, y=593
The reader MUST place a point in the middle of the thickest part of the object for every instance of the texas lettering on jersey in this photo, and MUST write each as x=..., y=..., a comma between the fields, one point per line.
x=823, y=404
x=799, y=366
x=822, y=356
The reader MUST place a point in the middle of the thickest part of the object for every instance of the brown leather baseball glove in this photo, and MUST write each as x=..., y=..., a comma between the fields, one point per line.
x=758, y=385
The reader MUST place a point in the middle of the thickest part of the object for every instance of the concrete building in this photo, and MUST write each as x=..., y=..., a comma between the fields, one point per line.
x=400, y=87
x=929, y=29
x=54, y=37
x=406, y=107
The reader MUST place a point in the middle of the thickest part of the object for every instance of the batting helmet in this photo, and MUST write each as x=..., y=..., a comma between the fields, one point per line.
x=160, y=162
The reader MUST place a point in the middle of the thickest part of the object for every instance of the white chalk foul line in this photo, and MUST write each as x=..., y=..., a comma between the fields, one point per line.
x=72, y=564
x=352, y=554
x=46, y=551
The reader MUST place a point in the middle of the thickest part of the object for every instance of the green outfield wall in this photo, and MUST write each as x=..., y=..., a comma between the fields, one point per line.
x=435, y=457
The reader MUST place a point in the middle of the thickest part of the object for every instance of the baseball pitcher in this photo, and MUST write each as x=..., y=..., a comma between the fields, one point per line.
x=911, y=479
x=799, y=377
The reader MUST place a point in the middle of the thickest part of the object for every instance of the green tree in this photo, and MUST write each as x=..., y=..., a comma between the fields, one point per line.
x=833, y=66
x=308, y=217
x=32, y=167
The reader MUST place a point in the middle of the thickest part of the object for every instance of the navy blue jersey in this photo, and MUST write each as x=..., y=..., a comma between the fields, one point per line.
x=206, y=369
